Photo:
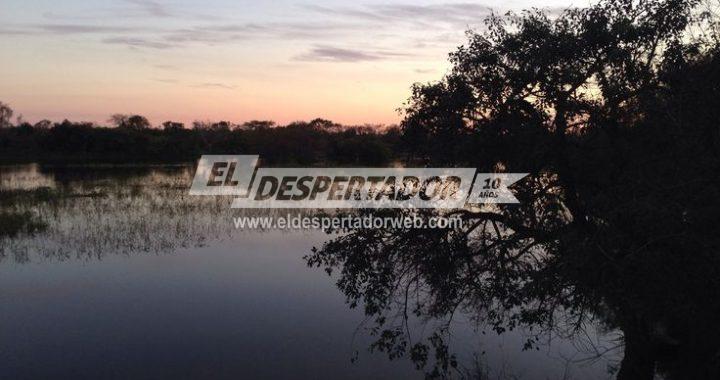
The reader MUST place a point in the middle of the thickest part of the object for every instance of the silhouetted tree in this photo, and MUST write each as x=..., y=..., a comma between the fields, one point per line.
x=258, y=125
x=5, y=115
x=323, y=124
x=133, y=140
x=613, y=110
x=43, y=124
x=172, y=126
x=131, y=122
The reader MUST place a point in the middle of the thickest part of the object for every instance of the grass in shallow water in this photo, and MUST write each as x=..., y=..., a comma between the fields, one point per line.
x=42, y=194
x=13, y=223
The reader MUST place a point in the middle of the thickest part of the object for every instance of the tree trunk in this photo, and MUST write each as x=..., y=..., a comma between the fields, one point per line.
x=639, y=360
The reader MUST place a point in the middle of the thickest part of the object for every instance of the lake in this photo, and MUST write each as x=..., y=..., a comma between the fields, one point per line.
x=128, y=276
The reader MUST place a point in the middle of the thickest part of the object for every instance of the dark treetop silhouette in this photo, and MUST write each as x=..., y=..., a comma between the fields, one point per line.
x=133, y=140
x=614, y=111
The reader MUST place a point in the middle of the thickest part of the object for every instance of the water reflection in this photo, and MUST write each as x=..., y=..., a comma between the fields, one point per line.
x=91, y=212
x=224, y=303
x=663, y=301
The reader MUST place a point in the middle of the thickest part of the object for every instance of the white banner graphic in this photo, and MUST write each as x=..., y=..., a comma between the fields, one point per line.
x=442, y=188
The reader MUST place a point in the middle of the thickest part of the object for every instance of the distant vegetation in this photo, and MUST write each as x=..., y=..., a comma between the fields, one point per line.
x=132, y=139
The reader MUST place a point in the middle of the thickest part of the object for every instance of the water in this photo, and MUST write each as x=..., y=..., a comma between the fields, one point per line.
x=132, y=278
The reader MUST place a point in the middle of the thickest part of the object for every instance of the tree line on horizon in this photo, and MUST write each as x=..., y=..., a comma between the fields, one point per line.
x=133, y=139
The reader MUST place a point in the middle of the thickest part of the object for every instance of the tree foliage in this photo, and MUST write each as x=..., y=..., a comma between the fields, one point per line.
x=133, y=140
x=614, y=111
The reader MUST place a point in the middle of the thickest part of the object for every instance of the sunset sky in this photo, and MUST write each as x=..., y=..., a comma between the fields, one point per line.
x=184, y=60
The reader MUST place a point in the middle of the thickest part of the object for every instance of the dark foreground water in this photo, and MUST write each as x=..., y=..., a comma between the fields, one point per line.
x=132, y=278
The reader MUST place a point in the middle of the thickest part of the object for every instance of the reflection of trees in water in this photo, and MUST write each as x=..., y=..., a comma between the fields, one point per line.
x=91, y=213
x=496, y=276
x=662, y=295
x=87, y=212
x=613, y=110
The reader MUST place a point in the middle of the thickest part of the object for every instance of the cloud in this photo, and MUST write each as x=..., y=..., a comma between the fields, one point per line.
x=454, y=15
x=385, y=22
x=165, y=37
x=130, y=9
x=165, y=67
x=214, y=85
x=13, y=32
x=408, y=28
x=137, y=42
x=345, y=12
x=243, y=31
x=462, y=14
x=336, y=54
x=151, y=8
x=81, y=29
x=65, y=29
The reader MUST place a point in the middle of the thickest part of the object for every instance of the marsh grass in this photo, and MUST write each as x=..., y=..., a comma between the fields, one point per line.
x=9, y=197
x=43, y=194
x=14, y=223
x=19, y=208
x=92, y=217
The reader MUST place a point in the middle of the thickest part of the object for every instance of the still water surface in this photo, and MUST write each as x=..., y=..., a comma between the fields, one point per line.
x=133, y=278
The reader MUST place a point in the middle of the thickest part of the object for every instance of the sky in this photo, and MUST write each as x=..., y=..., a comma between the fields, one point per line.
x=347, y=61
